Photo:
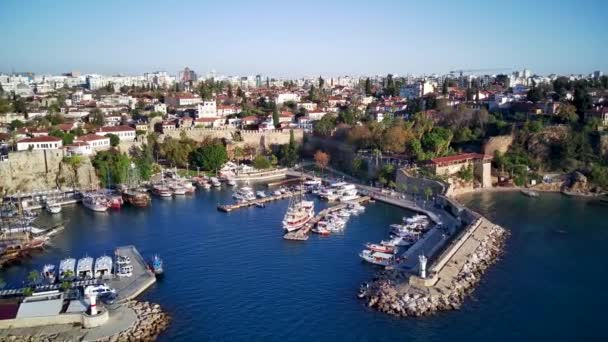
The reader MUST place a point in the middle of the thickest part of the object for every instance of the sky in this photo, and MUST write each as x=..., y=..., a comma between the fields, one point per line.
x=288, y=38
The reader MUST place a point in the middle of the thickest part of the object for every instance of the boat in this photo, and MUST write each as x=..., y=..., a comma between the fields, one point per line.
x=260, y=194
x=114, y=200
x=389, y=249
x=260, y=205
x=416, y=218
x=277, y=193
x=136, y=198
x=67, y=269
x=49, y=273
x=205, y=185
x=343, y=214
x=125, y=270
x=313, y=182
x=322, y=228
x=377, y=258
x=52, y=207
x=178, y=189
x=348, y=193
x=299, y=212
x=84, y=268
x=244, y=194
x=103, y=267
x=157, y=265
x=215, y=182
x=95, y=201
x=231, y=182
x=400, y=241
x=529, y=193
x=162, y=191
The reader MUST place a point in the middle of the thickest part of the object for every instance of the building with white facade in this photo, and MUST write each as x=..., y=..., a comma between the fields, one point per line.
x=178, y=100
x=39, y=143
x=125, y=133
x=207, y=109
x=286, y=97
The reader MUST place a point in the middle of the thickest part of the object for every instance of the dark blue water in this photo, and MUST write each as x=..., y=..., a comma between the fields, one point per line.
x=232, y=276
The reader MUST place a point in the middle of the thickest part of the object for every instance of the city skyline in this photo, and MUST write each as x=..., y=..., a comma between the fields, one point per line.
x=276, y=39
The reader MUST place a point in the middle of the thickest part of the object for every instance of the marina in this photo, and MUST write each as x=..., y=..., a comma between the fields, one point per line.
x=256, y=202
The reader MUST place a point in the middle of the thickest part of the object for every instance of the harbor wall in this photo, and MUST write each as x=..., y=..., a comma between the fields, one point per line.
x=416, y=185
x=29, y=171
x=260, y=139
x=85, y=320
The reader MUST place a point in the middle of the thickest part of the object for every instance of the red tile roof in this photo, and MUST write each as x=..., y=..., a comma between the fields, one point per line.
x=121, y=128
x=44, y=138
x=91, y=137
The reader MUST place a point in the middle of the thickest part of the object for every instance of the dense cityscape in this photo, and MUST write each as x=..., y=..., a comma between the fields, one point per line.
x=333, y=170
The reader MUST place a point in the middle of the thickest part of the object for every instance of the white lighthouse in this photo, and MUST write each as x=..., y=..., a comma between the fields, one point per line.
x=422, y=260
x=92, y=296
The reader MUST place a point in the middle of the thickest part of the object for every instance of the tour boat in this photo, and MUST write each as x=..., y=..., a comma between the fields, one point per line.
x=244, y=194
x=260, y=194
x=136, y=198
x=95, y=201
x=66, y=269
x=313, y=182
x=114, y=201
x=299, y=212
x=215, y=182
x=53, y=207
x=380, y=248
x=84, y=268
x=103, y=267
x=49, y=273
x=162, y=191
x=205, y=185
x=416, y=219
x=348, y=193
x=177, y=189
x=157, y=265
x=378, y=258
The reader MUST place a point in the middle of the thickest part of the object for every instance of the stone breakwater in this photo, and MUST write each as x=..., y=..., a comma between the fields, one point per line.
x=390, y=292
x=151, y=321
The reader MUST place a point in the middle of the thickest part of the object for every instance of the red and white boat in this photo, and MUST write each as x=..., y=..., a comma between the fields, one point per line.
x=321, y=229
x=298, y=213
x=380, y=248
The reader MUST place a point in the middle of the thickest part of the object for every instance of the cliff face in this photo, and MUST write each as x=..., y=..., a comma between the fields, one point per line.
x=30, y=171
x=540, y=144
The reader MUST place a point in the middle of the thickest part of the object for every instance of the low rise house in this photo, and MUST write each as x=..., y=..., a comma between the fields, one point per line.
x=450, y=165
x=39, y=143
x=96, y=142
x=125, y=133
x=184, y=99
x=79, y=148
x=209, y=122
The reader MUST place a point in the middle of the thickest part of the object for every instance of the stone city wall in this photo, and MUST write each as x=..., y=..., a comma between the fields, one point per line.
x=247, y=137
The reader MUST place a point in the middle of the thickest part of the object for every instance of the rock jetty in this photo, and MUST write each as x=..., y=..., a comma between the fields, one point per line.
x=391, y=293
x=151, y=321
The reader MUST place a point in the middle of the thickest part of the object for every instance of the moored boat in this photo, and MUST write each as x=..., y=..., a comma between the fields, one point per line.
x=389, y=249
x=84, y=268
x=49, y=273
x=299, y=212
x=377, y=258
x=67, y=269
x=157, y=265
x=103, y=267
x=52, y=207
x=95, y=201
x=162, y=191
x=136, y=198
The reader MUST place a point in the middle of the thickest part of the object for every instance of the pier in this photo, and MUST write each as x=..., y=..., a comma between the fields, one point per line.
x=302, y=233
x=128, y=288
x=245, y=204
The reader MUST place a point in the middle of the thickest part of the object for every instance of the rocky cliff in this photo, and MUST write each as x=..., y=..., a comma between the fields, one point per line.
x=29, y=171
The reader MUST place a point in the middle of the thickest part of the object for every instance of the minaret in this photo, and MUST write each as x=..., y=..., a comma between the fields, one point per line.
x=422, y=260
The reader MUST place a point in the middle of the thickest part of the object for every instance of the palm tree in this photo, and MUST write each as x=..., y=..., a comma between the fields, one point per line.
x=428, y=193
x=32, y=277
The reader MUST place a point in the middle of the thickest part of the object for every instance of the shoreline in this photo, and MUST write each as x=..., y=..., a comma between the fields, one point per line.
x=514, y=189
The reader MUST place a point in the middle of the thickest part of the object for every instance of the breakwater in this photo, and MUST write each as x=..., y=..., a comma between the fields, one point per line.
x=455, y=269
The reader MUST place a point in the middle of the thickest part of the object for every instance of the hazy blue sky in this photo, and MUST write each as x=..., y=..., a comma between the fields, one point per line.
x=304, y=37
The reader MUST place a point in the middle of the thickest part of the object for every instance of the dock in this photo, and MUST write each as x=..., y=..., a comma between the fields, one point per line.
x=230, y=207
x=287, y=181
x=302, y=233
x=127, y=288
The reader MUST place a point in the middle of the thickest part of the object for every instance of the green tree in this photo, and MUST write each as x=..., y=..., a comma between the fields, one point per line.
x=114, y=139
x=5, y=106
x=466, y=173
x=325, y=126
x=261, y=162
x=112, y=167
x=19, y=105
x=275, y=115
x=96, y=118
x=209, y=157
x=567, y=113
x=144, y=160
x=368, y=87
x=32, y=277
x=428, y=192
x=16, y=124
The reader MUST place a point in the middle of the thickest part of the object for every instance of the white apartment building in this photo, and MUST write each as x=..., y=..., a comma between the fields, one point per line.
x=125, y=133
x=179, y=100
x=207, y=109
x=280, y=98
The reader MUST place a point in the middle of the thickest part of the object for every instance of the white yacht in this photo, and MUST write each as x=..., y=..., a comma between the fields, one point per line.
x=67, y=269
x=52, y=207
x=103, y=267
x=299, y=212
x=95, y=201
x=244, y=194
x=215, y=182
x=378, y=258
x=84, y=268
x=418, y=218
x=348, y=193
x=49, y=273
x=260, y=194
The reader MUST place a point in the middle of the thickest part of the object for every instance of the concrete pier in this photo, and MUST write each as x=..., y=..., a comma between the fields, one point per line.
x=128, y=288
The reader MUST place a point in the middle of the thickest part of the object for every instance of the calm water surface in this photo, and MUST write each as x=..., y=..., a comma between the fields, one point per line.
x=232, y=276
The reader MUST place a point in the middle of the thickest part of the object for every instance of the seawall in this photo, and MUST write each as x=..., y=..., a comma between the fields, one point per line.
x=264, y=139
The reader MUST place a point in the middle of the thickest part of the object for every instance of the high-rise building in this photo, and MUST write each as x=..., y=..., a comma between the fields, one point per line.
x=187, y=75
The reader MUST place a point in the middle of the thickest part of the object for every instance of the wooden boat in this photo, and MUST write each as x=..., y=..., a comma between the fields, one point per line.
x=136, y=198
